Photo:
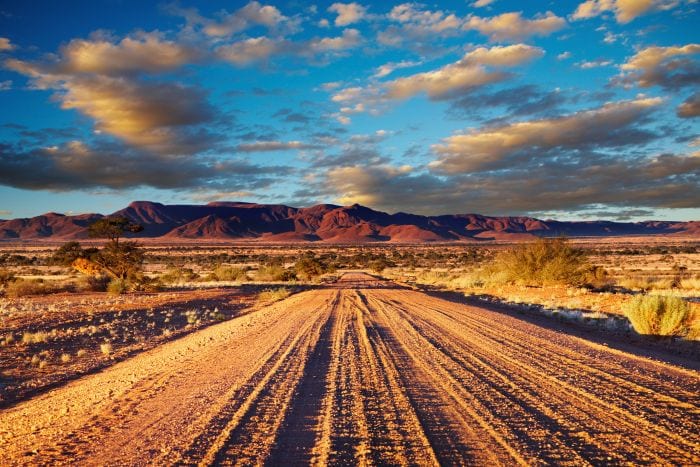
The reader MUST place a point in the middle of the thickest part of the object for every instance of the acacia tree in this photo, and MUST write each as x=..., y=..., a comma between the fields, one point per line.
x=118, y=259
x=113, y=228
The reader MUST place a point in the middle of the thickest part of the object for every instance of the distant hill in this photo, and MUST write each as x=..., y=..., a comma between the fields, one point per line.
x=326, y=223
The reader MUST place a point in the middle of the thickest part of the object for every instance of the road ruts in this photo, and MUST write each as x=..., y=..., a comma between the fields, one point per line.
x=363, y=372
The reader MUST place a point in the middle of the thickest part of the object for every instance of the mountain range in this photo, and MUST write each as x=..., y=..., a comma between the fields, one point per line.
x=324, y=222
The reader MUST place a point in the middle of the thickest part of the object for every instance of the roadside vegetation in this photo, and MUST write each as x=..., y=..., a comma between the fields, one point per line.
x=658, y=315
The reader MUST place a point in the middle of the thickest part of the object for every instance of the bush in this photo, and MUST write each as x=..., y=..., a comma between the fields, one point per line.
x=117, y=286
x=178, y=276
x=6, y=276
x=658, y=315
x=379, y=265
x=229, y=273
x=26, y=287
x=273, y=295
x=69, y=252
x=546, y=261
x=309, y=267
x=275, y=273
x=93, y=283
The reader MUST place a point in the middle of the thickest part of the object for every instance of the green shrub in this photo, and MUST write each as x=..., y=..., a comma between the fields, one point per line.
x=379, y=265
x=229, y=273
x=546, y=261
x=117, y=286
x=658, y=315
x=93, y=283
x=275, y=273
x=69, y=252
x=6, y=276
x=273, y=295
x=176, y=275
x=26, y=287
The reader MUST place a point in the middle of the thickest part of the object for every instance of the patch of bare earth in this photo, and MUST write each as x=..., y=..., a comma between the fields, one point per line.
x=49, y=340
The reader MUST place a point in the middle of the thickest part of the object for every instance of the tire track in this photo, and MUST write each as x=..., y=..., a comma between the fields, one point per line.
x=362, y=372
x=619, y=432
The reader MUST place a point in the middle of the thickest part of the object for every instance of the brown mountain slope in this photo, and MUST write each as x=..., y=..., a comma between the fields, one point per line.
x=327, y=223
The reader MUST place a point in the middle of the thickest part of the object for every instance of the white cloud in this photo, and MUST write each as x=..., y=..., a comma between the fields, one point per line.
x=586, y=65
x=482, y=3
x=250, y=50
x=139, y=53
x=669, y=67
x=490, y=147
x=252, y=14
x=348, y=13
x=260, y=49
x=388, y=68
x=467, y=73
x=512, y=27
x=349, y=39
x=6, y=45
x=475, y=69
x=267, y=146
x=625, y=10
x=564, y=55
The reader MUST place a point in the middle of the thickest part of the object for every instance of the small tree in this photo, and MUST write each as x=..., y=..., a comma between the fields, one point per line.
x=119, y=260
x=69, y=252
x=113, y=228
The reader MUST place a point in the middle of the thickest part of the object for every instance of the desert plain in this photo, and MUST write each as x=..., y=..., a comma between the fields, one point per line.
x=389, y=355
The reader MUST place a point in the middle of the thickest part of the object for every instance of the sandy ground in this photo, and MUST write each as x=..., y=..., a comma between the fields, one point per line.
x=364, y=372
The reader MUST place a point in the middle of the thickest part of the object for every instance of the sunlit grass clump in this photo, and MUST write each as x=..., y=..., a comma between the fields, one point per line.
x=658, y=315
x=273, y=295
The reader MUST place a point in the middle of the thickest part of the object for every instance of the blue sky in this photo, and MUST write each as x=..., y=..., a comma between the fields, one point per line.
x=567, y=109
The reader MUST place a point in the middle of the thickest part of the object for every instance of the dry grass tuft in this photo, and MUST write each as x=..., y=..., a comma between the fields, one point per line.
x=658, y=315
x=273, y=295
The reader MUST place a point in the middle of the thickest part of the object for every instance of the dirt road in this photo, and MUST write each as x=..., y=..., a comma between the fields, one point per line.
x=363, y=372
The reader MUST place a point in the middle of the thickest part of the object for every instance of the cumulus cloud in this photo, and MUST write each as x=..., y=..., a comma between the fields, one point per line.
x=668, y=67
x=251, y=50
x=76, y=165
x=250, y=15
x=417, y=26
x=611, y=125
x=365, y=185
x=690, y=107
x=147, y=114
x=388, y=68
x=588, y=64
x=261, y=49
x=482, y=3
x=476, y=68
x=348, y=13
x=513, y=27
x=6, y=45
x=625, y=10
x=468, y=73
x=349, y=39
x=100, y=79
x=517, y=101
x=268, y=146
x=563, y=184
x=139, y=53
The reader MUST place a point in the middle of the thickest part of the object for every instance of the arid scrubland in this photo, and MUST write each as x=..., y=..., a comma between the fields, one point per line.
x=58, y=321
